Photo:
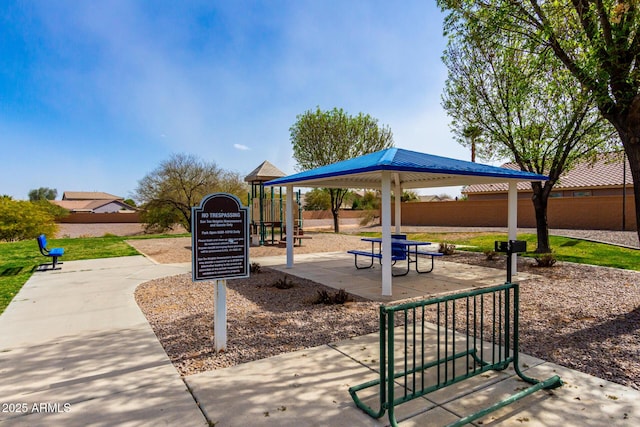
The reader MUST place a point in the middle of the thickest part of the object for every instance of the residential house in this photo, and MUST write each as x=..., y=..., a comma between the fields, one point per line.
x=93, y=202
x=607, y=176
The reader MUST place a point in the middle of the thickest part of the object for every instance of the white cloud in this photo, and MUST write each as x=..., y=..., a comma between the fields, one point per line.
x=241, y=147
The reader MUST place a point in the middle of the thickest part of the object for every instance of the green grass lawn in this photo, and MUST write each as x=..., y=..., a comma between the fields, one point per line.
x=564, y=248
x=18, y=260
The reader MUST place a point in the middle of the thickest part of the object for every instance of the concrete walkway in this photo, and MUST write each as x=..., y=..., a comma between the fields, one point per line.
x=75, y=350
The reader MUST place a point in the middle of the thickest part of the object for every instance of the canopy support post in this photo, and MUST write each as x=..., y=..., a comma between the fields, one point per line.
x=289, y=223
x=385, y=216
x=512, y=221
x=398, y=198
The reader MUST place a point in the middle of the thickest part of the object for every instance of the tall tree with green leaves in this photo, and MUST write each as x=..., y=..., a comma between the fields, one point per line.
x=597, y=41
x=170, y=191
x=527, y=108
x=317, y=199
x=321, y=138
x=43, y=193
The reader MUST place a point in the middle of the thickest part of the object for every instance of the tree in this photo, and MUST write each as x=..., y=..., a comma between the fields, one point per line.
x=43, y=193
x=317, y=199
x=409, y=196
x=472, y=134
x=179, y=183
x=22, y=220
x=598, y=42
x=53, y=209
x=526, y=107
x=321, y=138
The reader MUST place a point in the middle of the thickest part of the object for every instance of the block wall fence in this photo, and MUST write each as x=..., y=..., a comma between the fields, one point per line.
x=588, y=213
x=100, y=218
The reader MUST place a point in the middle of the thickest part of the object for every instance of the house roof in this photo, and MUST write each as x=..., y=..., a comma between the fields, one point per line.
x=410, y=168
x=606, y=171
x=265, y=172
x=89, y=195
x=88, y=205
x=430, y=198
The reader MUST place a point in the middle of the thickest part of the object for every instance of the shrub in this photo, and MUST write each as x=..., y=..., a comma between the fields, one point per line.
x=159, y=219
x=491, y=255
x=22, y=220
x=324, y=297
x=254, y=268
x=283, y=283
x=368, y=216
x=58, y=212
x=545, y=260
x=447, y=248
x=340, y=297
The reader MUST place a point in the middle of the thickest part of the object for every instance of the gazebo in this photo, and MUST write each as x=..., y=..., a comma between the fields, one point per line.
x=400, y=169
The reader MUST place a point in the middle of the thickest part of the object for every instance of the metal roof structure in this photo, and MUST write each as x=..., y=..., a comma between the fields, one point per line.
x=400, y=169
x=411, y=169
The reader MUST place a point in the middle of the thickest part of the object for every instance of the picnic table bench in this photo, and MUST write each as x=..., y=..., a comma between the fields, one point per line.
x=401, y=250
x=298, y=234
x=53, y=253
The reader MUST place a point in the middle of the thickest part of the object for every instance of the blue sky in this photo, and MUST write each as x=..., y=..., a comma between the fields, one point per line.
x=94, y=95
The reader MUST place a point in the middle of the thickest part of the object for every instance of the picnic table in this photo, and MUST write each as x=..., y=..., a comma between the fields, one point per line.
x=401, y=249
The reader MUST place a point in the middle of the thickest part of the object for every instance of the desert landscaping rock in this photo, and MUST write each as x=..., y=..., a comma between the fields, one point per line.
x=582, y=317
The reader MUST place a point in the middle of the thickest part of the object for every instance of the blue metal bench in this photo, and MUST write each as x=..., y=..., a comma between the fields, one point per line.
x=372, y=255
x=53, y=253
x=425, y=253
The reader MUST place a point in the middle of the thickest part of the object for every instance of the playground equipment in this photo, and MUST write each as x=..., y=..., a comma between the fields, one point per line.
x=268, y=209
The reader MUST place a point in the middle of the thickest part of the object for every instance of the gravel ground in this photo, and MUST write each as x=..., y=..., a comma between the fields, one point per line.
x=99, y=230
x=583, y=317
x=621, y=238
x=262, y=320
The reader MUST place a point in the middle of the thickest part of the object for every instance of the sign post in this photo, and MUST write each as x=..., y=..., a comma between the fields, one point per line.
x=220, y=251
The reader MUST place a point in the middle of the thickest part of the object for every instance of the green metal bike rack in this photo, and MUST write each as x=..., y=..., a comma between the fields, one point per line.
x=464, y=323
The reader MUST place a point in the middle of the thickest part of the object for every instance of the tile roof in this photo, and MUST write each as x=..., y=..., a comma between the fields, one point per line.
x=89, y=195
x=606, y=171
x=88, y=205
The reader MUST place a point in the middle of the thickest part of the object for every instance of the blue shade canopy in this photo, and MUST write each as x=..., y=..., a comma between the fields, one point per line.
x=409, y=168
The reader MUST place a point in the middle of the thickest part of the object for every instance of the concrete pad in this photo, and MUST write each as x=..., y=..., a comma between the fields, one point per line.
x=337, y=270
x=584, y=400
